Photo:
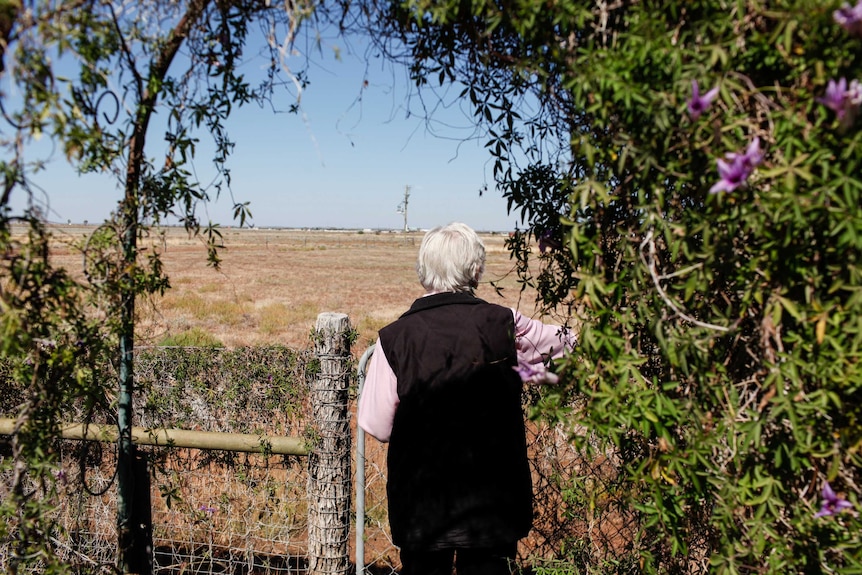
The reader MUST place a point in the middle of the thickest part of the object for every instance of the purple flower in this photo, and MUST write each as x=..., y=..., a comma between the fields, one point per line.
x=537, y=373
x=836, y=97
x=832, y=504
x=842, y=99
x=850, y=18
x=753, y=154
x=732, y=173
x=698, y=104
x=735, y=169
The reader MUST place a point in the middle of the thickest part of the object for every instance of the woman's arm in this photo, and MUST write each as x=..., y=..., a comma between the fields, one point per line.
x=537, y=341
x=379, y=397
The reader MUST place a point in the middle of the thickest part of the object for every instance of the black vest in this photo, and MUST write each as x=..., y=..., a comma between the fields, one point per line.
x=458, y=469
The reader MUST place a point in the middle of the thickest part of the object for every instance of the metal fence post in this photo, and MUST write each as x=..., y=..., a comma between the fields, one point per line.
x=329, y=456
x=360, y=472
x=141, y=517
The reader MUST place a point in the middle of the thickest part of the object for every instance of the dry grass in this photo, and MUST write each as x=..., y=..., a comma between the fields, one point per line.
x=270, y=288
x=272, y=284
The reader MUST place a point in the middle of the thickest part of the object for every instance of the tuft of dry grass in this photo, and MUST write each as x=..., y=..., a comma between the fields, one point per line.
x=273, y=283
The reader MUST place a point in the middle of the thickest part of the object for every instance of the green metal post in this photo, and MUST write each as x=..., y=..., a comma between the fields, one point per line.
x=133, y=548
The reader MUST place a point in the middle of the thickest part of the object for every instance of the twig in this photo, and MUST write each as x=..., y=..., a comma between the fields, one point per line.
x=649, y=262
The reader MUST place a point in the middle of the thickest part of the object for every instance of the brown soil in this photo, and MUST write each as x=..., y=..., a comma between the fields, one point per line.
x=273, y=283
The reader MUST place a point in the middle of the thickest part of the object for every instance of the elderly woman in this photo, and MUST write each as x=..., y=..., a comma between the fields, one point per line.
x=443, y=387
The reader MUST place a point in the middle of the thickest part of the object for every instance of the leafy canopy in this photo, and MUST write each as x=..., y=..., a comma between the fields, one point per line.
x=707, y=240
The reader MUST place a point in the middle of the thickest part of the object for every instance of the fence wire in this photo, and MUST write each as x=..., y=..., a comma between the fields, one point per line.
x=212, y=511
x=582, y=521
x=240, y=514
x=219, y=511
x=246, y=513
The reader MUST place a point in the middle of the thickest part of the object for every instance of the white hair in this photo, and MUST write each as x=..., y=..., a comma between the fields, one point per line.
x=451, y=258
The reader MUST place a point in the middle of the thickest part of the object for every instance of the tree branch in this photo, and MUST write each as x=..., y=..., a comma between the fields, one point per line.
x=649, y=262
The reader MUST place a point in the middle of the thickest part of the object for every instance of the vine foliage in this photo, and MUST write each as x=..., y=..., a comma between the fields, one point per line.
x=687, y=174
x=96, y=79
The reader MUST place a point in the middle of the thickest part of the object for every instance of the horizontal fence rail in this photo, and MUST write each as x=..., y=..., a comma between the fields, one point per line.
x=239, y=442
x=227, y=437
x=231, y=495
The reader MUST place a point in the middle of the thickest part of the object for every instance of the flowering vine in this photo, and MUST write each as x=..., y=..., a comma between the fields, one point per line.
x=698, y=104
x=535, y=373
x=832, y=503
x=843, y=99
x=735, y=168
x=850, y=18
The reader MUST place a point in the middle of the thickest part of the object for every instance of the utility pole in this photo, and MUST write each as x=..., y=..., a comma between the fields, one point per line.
x=402, y=207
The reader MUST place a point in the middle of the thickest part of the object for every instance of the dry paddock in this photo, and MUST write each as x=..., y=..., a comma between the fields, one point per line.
x=272, y=283
x=269, y=289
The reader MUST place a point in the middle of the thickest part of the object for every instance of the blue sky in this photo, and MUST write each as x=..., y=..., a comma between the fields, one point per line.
x=343, y=162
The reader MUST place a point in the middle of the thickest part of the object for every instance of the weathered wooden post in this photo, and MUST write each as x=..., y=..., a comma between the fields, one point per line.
x=329, y=455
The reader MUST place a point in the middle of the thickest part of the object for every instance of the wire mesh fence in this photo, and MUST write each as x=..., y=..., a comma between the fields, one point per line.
x=222, y=511
x=212, y=511
x=581, y=523
x=247, y=513
x=239, y=514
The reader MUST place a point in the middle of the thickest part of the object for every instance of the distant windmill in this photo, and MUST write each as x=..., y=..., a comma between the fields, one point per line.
x=402, y=207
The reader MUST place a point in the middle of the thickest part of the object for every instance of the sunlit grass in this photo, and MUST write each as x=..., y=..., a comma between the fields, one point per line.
x=208, y=288
x=194, y=337
x=231, y=313
x=276, y=317
x=273, y=284
x=368, y=326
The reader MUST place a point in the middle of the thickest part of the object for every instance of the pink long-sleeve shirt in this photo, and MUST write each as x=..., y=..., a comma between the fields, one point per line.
x=535, y=342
